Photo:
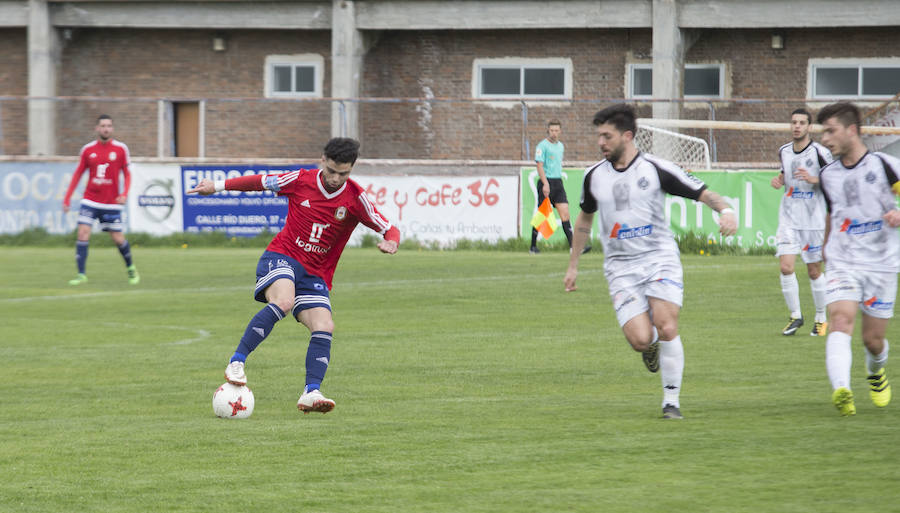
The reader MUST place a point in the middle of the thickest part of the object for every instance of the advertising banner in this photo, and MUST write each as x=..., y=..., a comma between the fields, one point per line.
x=445, y=209
x=31, y=195
x=749, y=192
x=155, y=201
x=237, y=213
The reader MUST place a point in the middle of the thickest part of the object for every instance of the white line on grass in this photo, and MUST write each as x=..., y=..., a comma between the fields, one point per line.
x=342, y=285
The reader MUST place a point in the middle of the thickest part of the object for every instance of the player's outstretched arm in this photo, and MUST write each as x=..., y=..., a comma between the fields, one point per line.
x=204, y=188
x=727, y=218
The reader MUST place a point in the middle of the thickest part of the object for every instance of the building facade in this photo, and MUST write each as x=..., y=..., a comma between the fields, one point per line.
x=425, y=79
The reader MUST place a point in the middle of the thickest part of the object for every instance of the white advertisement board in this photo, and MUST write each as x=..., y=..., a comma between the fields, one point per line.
x=154, y=201
x=445, y=209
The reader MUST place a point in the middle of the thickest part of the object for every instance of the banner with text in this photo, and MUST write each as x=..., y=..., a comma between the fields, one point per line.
x=31, y=195
x=444, y=209
x=749, y=192
x=237, y=213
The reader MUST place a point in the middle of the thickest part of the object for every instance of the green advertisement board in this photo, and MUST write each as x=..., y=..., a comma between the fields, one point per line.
x=748, y=191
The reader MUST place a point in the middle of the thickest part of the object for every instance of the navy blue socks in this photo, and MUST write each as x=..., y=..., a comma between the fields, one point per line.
x=257, y=330
x=125, y=250
x=317, y=356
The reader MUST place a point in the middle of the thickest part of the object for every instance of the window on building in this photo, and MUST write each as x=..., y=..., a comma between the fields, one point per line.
x=863, y=78
x=522, y=78
x=293, y=75
x=700, y=80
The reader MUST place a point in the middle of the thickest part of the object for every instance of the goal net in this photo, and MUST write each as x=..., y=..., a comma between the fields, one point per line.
x=684, y=150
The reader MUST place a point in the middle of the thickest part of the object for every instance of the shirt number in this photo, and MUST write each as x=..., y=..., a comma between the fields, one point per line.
x=317, y=230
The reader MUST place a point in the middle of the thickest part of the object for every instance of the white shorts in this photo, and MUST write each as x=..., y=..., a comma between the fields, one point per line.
x=806, y=243
x=630, y=289
x=874, y=291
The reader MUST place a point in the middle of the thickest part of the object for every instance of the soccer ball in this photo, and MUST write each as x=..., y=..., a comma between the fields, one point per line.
x=233, y=402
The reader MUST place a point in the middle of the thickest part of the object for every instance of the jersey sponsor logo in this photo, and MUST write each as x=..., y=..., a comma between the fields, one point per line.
x=340, y=213
x=309, y=247
x=621, y=232
x=811, y=249
x=876, y=304
x=317, y=230
x=853, y=227
x=792, y=193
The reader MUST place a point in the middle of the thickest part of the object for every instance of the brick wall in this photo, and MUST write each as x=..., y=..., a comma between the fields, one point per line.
x=407, y=64
x=13, y=82
x=182, y=64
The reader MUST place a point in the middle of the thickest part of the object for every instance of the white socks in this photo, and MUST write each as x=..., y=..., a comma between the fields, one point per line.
x=791, y=290
x=818, y=293
x=671, y=368
x=838, y=358
x=875, y=363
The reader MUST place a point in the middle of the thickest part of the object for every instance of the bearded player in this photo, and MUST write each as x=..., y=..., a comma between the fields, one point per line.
x=294, y=273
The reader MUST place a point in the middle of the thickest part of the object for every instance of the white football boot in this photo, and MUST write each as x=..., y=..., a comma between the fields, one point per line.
x=234, y=373
x=314, y=401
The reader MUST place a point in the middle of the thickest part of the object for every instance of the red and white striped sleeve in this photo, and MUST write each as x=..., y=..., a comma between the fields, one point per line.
x=371, y=217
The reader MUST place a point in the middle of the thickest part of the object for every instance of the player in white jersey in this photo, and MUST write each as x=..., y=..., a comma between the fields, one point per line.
x=801, y=220
x=862, y=249
x=641, y=257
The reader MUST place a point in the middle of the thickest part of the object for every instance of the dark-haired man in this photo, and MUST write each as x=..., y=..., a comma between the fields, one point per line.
x=106, y=159
x=862, y=249
x=641, y=258
x=294, y=273
x=801, y=220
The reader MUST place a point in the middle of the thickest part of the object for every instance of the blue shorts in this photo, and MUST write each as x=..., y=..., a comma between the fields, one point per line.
x=110, y=219
x=310, y=291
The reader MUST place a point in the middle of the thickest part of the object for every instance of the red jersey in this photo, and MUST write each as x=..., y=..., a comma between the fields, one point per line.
x=319, y=222
x=106, y=161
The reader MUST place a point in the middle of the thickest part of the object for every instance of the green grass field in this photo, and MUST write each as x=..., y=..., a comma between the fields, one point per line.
x=465, y=381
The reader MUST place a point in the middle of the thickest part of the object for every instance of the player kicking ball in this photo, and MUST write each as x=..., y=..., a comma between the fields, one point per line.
x=294, y=273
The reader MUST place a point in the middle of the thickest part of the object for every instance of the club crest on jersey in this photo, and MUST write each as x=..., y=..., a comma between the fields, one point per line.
x=809, y=163
x=620, y=232
x=112, y=156
x=853, y=227
x=643, y=183
x=870, y=177
x=340, y=213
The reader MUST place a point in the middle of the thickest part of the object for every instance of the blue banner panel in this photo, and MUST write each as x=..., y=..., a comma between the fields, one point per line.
x=31, y=195
x=237, y=213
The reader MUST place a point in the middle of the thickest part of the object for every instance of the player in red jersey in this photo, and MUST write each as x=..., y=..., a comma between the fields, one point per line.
x=104, y=195
x=294, y=273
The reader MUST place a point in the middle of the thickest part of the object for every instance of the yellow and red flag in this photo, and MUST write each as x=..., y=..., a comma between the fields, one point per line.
x=544, y=221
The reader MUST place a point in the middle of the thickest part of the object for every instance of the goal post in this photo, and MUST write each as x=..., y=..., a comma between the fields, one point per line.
x=686, y=151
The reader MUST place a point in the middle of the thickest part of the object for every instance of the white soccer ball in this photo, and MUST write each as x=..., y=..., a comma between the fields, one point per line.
x=233, y=402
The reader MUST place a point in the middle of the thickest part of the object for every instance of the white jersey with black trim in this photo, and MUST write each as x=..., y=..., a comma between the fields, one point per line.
x=802, y=205
x=857, y=197
x=630, y=204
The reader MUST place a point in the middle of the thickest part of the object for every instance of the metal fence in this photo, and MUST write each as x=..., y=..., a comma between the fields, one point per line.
x=389, y=128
